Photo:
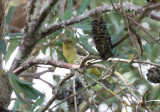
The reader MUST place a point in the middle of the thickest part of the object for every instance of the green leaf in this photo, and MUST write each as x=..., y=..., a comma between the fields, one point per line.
x=55, y=34
x=85, y=27
x=12, y=46
x=61, y=55
x=44, y=49
x=56, y=78
x=3, y=46
x=155, y=51
x=148, y=51
x=108, y=1
x=58, y=13
x=25, y=88
x=113, y=86
x=85, y=43
x=66, y=15
x=16, y=105
x=37, y=103
x=125, y=68
x=70, y=6
x=68, y=12
x=10, y=14
x=83, y=6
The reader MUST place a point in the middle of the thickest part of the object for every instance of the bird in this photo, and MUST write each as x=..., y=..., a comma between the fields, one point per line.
x=70, y=53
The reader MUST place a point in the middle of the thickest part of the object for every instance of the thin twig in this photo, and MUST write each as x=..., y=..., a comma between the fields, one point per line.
x=47, y=82
x=133, y=61
x=74, y=92
x=143, y=14
x=124, y=81
x=56, y=91
x=72, y=95
x=106, y=89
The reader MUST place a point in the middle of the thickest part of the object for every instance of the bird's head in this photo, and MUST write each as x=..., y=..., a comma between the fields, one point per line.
x=68, y=43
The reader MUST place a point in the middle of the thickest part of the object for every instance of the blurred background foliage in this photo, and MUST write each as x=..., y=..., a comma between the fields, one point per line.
x=66, y=9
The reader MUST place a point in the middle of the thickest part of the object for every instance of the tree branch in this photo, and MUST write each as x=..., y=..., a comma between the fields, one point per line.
x=2, y=21
x=32, y=62
x=32, y=37
x=30, y=8
x=5, y=87
x=102, y=9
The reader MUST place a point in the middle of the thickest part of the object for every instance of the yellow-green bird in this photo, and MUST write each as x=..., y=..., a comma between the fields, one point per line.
x=70, y=53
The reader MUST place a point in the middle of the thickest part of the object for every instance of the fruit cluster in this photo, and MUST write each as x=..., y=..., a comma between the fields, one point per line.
x=153, y=75
x=101, y=36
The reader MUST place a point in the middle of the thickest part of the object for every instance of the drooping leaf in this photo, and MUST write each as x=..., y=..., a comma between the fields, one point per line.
x=148, y=51
x=37, y=103
x=66, y=15
x=10, y=14
x=68, y=12
x=83, y=6
x=155, y=51
x=16, y=105
x=70, y=6
x=58, y=13
x=3, y=46
x=25, y=88
x=44, y=49
x=61, y=55
x=85, y=44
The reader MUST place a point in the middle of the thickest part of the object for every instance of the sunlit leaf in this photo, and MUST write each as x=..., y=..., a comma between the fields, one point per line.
x=85, y=27
x=12, y=46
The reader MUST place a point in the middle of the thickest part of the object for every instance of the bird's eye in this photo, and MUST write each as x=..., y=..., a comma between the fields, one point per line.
x=70, y=41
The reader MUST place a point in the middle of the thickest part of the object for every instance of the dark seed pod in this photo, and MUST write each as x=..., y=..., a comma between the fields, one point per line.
x=101, y=36
x=153, y=75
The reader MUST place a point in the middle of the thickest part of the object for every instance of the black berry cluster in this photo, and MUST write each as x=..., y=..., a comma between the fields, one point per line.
x=153, y=75
x=101, y=36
